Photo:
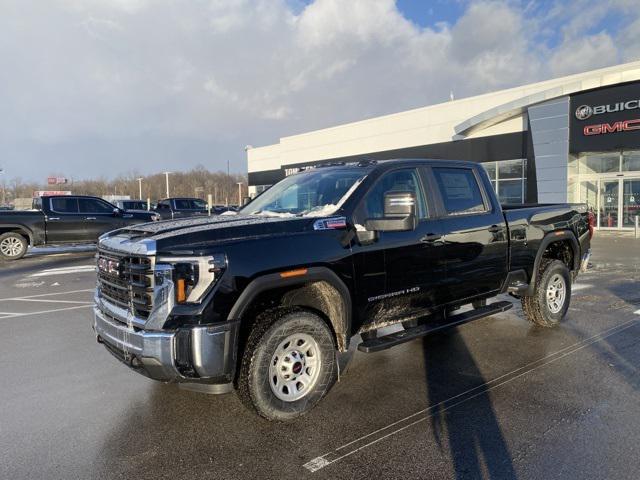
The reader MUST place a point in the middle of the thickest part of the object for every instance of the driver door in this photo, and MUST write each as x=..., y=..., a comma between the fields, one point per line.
x=398, y=274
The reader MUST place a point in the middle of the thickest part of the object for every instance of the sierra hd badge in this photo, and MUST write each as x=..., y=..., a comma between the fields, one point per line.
x=583, y=112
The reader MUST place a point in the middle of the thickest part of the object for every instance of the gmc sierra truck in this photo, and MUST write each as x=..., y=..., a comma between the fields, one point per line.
x=62, y=220
x=268, y=301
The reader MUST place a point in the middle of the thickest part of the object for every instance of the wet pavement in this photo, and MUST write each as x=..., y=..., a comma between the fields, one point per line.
x=497, y=398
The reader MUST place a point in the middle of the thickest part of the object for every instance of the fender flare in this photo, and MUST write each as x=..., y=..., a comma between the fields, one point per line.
x=548, y=239
x=272, y=281
x=25, y=231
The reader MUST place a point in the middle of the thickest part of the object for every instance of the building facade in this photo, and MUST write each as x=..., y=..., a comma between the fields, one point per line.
x=571, y=139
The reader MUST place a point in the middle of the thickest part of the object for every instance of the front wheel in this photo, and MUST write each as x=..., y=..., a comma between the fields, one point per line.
x=288, y=365
x=13, y=246
x=550, y=301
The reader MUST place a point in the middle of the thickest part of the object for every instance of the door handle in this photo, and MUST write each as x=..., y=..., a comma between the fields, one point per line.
x=90, y=218
x=495, y=229
x=53, y=218
x=431, y=238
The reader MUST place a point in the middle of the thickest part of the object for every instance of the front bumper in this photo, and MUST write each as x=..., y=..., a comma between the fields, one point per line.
x=199, y=354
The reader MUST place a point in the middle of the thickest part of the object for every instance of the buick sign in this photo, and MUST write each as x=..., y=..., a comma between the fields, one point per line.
x=583, y=112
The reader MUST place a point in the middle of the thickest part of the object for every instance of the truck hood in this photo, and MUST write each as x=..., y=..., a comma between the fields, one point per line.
x=202, y=232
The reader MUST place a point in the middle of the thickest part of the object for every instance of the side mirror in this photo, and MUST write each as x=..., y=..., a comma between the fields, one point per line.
x=117, y=212
x=399, y=213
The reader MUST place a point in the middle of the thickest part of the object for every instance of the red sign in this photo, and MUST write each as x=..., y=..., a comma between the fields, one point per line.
x=621, y=126
x=56, y=180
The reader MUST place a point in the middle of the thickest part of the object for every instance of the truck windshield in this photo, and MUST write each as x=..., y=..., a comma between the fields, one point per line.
x=313, y=193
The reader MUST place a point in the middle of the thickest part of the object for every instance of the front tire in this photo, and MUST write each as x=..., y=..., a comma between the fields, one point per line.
x=288, y=365
x=552, y=296
x=13, y=246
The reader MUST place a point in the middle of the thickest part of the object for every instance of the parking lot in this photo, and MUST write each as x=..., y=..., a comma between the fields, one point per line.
x=496, y=398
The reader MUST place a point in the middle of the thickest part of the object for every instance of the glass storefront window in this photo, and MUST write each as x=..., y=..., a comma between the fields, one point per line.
x=603, y=162
x=630, y=202
x=491, y=170
x=510, y=191
x=631, y=161
x=510, y=169
x=508, y=178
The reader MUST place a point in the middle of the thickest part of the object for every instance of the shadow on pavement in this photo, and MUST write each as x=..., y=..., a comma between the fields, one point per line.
x=474, y=438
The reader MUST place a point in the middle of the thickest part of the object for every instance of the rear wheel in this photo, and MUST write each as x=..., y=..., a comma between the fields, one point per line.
x=13, y=246
x=289, y=364
x=552, y=296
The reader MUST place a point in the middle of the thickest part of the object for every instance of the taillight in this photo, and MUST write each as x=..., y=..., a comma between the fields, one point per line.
x=592, y=223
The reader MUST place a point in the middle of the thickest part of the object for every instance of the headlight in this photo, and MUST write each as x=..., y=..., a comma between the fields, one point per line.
x=193, y=276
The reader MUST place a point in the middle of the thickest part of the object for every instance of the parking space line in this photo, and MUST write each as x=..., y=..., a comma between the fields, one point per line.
x=41, y=300
x=22, y=297
x=15, y=315
x=422, y=415
x=64, y=271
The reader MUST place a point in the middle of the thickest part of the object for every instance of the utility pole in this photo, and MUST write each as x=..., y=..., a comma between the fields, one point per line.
x=166, y=175
x=3, y=187
x=239, y=194
x=140, y=188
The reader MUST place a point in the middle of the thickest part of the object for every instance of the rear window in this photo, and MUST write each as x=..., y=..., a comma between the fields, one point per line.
x=64, y=205
x=460, y=191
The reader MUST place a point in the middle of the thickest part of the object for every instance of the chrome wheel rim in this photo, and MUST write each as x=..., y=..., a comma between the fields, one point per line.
x=11, y=247
x=295, y=367
x=556, y=293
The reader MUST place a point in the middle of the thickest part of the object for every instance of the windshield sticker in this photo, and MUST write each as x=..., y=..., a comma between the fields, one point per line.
x=330, y=223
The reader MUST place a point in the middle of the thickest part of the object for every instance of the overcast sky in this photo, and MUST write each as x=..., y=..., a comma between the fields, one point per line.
x=103, y=87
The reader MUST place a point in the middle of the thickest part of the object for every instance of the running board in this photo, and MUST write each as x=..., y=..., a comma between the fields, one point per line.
x=382, y=343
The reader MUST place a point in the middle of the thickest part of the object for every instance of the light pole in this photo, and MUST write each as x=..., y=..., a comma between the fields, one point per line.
x=139, y=187
x=166, y=176
x=3, y=187
x=239, y=194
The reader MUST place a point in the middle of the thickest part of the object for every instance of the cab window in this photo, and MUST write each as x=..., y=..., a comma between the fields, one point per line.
x=93, y=205
x=459, y=190
x=405, y=180
x=64, y=205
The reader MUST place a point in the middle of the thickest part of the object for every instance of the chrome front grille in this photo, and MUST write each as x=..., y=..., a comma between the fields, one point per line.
x=126, y=281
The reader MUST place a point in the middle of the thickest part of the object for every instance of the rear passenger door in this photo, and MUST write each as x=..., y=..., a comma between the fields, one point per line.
x=474, y=240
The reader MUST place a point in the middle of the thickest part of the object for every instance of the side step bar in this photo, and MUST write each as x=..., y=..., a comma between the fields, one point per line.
x=396, y=338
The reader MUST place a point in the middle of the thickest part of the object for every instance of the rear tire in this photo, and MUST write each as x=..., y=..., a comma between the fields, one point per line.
x=13, y=246
x=288, y=365
x=552, y=295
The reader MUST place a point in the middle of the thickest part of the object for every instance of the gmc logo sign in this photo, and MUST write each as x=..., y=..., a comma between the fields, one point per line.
x=111, y=267
x=604, y=128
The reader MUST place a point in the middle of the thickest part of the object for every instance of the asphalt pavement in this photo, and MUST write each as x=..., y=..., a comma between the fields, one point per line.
x=496, y=398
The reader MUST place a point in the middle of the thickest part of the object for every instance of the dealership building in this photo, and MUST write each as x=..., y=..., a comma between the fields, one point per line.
x=570, y=139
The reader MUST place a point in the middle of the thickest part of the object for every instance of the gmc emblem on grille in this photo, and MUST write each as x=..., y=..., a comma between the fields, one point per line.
x=111, y=267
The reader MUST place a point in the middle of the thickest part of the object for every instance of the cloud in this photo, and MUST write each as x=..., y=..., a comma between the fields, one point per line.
x=105, y=86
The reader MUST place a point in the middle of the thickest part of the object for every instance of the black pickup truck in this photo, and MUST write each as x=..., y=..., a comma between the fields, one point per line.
x=268, y=301
x=170, y=208
x=63, y=219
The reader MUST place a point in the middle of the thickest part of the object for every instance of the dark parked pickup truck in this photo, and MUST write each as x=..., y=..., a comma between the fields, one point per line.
x=181, y=207
x=268, y=301
x=63, y=219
